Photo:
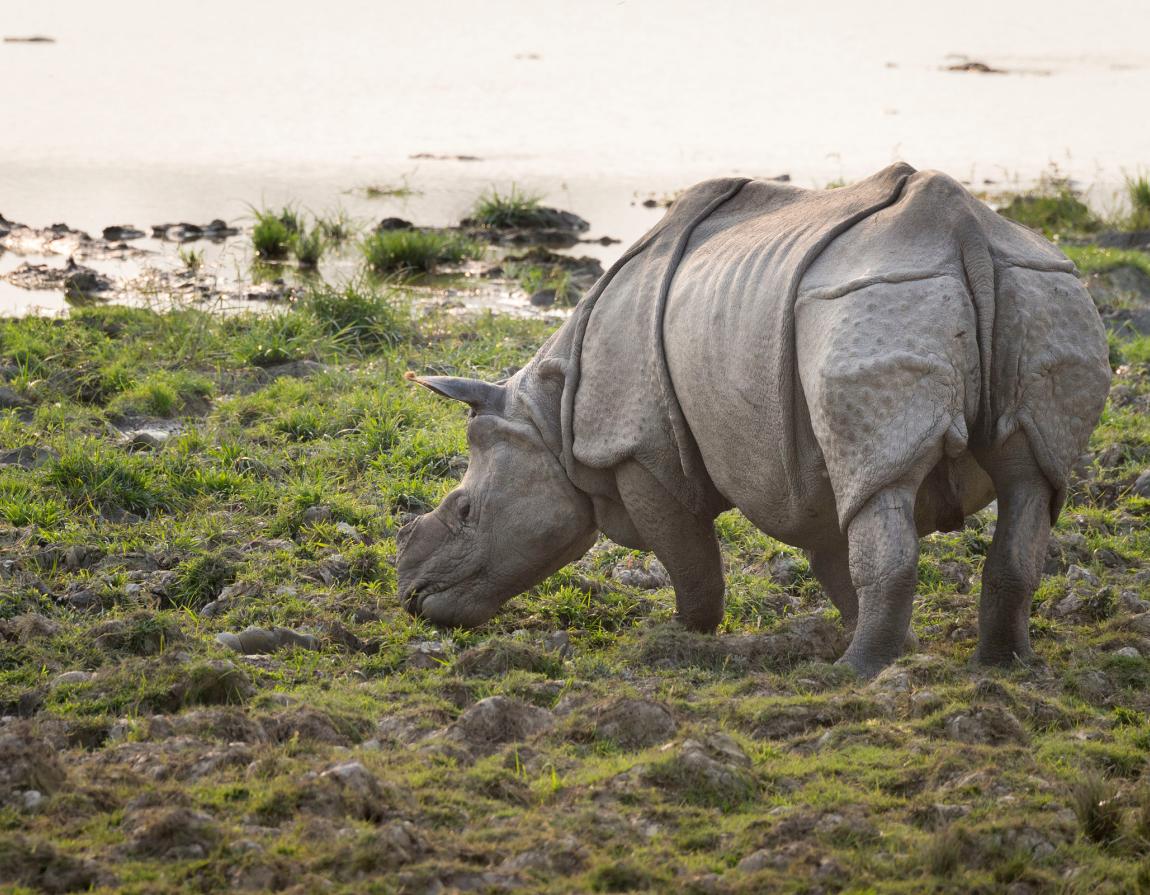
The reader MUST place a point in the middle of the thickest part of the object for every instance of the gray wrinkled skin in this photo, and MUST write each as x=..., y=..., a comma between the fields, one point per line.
x=851, y=369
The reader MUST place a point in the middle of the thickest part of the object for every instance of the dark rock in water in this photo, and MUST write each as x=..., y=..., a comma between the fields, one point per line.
x=73, y=278
x=34, y=39
x=603, y=241
x=184, y=232
x=431, y=156
x=546, y=226
x=120, y=233
x=976, y=67
x=544, y=298
x=584, y=271
x=650, y=203
x=388, y=224
x=1124, y=239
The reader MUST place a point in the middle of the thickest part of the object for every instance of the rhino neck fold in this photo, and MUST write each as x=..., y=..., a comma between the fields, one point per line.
x=667, y=241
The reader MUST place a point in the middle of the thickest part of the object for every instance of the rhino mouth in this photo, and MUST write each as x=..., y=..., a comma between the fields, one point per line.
x=414, y=595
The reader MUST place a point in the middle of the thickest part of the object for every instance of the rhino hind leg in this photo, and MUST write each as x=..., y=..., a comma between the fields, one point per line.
x=1017, y=553
x=883, y=545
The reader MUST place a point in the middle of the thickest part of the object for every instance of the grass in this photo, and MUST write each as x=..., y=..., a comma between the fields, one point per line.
x=495, y=210
x=1053, y=207
x=416, y=251
x=1138, y=194
x=274, y=232
x=276, y=503
x=401, y=190
x=286, y=232
x=534, y=278
x=1095, y=259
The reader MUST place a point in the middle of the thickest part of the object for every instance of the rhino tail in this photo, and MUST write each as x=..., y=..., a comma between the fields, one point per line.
x=978, y=267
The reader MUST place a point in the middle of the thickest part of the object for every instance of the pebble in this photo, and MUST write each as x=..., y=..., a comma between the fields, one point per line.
x=72, y=677
x=1128, y=652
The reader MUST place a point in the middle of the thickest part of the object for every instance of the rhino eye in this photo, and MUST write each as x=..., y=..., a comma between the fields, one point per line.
x=464, y=508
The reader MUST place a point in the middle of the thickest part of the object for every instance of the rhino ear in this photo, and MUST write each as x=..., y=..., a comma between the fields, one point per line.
x=480, y=396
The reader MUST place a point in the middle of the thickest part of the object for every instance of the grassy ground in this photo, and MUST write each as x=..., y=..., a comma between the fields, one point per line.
x=579, y=742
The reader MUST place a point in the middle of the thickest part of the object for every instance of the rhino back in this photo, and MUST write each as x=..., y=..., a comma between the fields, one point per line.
x=890, y=352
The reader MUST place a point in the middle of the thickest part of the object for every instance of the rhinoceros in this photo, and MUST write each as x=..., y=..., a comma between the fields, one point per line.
x=850, y=368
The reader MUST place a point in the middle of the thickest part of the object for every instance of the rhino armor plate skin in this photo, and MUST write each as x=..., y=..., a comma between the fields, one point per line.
x=851, y=369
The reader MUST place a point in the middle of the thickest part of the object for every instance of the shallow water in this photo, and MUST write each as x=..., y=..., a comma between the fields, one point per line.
x=143, y=112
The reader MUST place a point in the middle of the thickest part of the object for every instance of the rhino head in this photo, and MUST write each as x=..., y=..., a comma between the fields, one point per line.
x=514, y=519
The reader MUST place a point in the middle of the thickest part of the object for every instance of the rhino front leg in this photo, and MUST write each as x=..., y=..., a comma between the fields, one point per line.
x=683, y=542
x=831, y=566
x=884, y=569
x=1017, y=553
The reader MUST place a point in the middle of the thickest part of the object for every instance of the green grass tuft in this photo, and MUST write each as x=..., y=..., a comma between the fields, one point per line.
x=416, y=251
x=1138, y=192
x=495, y=210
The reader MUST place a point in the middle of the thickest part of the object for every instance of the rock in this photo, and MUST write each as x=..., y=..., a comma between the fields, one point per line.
x=976, y=67
x=389, y=224
x=316, y=514
x=29, y=456
x=558, y=642
x=1142, y=485
x=1129, y=601
x=1094, y=687
x=307, y=725
x=786, y=569
x=28, y=627
x=497, y=657
x=296, y=369
x=263, y=641
x=544, y=298
x=428, y=654
x=363, y=795
x=633, y=572
x=761, y=860
x=72, y=677
x=1140, y=623
x=712, y=769
x=10, y=400
x=146, y=439
x=27, y=762
x=122, y=233
x=39, y=866
x=635, y=723
x=216, y=230
x=1119, y=285
x=924, y=702
x=1128, y=652
x=1124, y=239
x=496, y=720
x=1078, y=573
x=991, y=725
x=171, y=834
x=349, y=531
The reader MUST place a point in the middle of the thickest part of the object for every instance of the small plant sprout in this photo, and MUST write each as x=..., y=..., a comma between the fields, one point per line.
x=192, y=260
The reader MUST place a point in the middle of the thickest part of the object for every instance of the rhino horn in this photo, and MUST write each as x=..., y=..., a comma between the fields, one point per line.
x=482, y=397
